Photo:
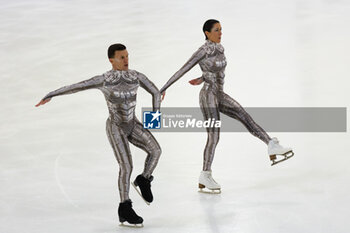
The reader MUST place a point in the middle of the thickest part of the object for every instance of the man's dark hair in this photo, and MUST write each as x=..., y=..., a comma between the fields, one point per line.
x=208, y=25
x=113, y=48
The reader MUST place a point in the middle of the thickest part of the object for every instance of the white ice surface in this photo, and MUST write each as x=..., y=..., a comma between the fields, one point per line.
x=57, y=169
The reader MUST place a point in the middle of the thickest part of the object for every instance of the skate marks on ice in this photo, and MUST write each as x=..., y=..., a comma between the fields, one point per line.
x=59, y=183
x=211, y=207
x=139, y=192
x=276, y=160
x=61, y=187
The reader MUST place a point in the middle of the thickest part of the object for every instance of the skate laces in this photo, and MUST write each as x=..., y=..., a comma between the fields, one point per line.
x=145, y=182
x=211, y=178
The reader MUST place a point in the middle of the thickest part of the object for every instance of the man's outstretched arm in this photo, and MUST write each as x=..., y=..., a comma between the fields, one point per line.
x=94, y=82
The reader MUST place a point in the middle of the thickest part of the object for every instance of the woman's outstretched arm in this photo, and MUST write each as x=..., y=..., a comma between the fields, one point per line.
x=196, y=57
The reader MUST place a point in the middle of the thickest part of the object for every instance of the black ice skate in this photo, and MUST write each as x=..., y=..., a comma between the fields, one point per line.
x=126, y=213
x=144, y=190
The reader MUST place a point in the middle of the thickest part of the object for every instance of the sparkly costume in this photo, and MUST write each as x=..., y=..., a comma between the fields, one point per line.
x=213, y=99
x=120, y=89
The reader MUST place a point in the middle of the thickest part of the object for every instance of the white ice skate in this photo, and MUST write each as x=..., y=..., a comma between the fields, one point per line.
x=207, y=184
x=274, y=149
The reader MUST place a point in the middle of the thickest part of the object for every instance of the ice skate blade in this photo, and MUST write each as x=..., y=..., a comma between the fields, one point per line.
x=131, y=225
x=139, y=192
x=286, y=156
x=212, y=191
x=203, y=189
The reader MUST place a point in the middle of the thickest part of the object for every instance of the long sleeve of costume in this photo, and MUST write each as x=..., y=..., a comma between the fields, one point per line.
x=152, y=89
x=94, y=82
x=196, y=57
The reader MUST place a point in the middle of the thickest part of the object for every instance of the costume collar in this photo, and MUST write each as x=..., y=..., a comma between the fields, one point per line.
x=115, y=75
x=210, y=47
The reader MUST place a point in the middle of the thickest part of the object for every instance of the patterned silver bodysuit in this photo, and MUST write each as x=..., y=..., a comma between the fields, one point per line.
x=120, y=89
x=213, y=99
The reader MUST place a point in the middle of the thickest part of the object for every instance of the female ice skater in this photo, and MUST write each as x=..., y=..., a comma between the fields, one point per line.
x=119, y=87
x=214, y=100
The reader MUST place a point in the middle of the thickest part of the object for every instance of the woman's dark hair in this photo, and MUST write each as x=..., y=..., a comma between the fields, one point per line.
x=113, y=48
x=208, y=25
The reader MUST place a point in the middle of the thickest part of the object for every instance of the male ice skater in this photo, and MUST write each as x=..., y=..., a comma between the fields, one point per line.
x=119, y=87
